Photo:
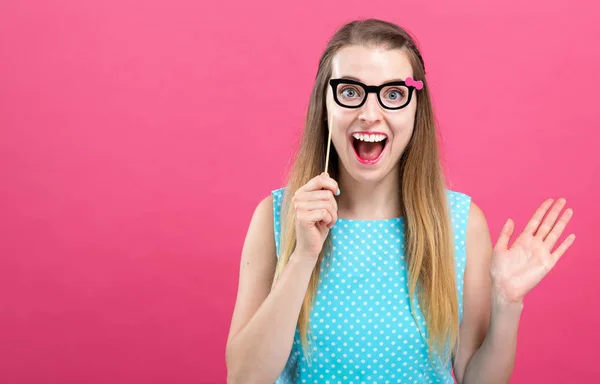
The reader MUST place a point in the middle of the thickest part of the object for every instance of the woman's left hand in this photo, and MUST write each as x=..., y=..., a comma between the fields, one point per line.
x=516, y=270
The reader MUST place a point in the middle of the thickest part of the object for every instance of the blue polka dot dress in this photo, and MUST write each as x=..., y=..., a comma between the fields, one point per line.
x=361, y=326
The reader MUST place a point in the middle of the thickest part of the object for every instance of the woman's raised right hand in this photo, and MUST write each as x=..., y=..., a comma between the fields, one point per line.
x=316, y=212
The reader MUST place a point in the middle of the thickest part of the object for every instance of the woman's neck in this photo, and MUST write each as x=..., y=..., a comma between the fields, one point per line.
x=369, y=201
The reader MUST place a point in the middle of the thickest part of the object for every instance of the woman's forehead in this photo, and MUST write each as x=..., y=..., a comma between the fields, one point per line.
x=371, y=65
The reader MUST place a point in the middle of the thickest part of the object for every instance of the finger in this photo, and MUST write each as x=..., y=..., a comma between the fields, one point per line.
x=505, y=234
x=316, y=216
x=548, y=223
x=323, y=181
x=310, y=217
x=305, y=200
x=330, y=183
x=535, y=221
x=324, y=195
x=556, y=255
x=327, y=219
x=559, y=228
x=312, y=205
x=318, y=205
x=312, y=185
x=333, y=212
x=332, y=200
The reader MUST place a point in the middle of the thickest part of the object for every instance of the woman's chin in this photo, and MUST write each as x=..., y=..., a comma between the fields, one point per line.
x=371, y=177
x=365, y=175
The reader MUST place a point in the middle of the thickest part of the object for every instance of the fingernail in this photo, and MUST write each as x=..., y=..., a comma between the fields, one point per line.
x=338, y=192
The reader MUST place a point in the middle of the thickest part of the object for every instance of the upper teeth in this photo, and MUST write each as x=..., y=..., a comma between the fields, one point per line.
x=371, y=138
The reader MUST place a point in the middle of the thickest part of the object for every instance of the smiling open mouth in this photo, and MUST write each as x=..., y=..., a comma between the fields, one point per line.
x=368, y=147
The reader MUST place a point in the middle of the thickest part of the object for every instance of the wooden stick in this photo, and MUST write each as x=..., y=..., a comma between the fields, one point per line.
x=328, y=148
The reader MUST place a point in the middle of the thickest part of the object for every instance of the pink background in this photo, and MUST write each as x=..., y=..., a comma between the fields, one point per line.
x=137, y=137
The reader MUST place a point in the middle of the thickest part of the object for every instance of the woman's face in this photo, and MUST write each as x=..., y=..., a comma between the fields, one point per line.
x=369, y=158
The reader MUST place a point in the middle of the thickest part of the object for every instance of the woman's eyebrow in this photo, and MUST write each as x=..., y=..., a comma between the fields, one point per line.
x=357, y=79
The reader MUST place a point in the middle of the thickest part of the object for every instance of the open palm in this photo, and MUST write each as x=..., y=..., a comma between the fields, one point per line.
x=516, y=270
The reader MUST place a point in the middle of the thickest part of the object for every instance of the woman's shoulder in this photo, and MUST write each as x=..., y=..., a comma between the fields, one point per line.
x=459, y=204
x=457, y=195
x=277, y=193
x=458, y=200
x=465, y=211
x=264, y=210
x=277, y=198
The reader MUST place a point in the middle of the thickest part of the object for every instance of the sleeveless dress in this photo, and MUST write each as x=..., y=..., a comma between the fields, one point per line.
x=361, y=326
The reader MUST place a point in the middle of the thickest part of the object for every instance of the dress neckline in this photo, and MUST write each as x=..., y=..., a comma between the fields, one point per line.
x=372, y=221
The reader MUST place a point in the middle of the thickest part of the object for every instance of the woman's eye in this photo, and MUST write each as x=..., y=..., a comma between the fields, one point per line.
x=395, y=95
x=349, y=92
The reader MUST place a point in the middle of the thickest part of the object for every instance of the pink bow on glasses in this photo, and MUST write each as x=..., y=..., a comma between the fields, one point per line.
x=412, y=83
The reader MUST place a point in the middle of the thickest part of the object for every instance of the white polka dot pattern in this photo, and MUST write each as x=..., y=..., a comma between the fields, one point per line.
x=362, y=330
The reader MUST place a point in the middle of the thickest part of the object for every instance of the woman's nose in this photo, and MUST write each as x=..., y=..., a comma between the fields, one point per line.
x=370, y=112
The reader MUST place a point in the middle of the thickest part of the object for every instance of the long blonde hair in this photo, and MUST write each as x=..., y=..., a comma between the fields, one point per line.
x=429, y=245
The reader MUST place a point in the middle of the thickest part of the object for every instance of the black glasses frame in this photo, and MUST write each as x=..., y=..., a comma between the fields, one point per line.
x=370, y=89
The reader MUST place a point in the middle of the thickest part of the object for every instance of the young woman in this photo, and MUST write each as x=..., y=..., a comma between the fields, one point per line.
x=374, y=272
